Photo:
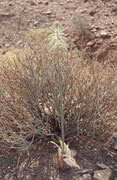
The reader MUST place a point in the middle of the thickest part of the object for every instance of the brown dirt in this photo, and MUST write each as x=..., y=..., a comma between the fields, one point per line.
x=39, y=163
x=17, y=16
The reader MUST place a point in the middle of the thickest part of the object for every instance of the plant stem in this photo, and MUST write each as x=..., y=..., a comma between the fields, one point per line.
x=61, y=99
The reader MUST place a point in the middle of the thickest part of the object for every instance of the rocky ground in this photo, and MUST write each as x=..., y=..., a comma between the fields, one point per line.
x=40, y=163
x=92, y=26
x=96, y=17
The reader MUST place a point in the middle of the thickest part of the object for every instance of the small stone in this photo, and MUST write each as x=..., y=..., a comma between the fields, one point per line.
x=50, y=178
x=90, y=43
x=11, y=178
x=61, y=3
x=7, y=176
x=102, y=174
x=102, y=166
x=114, y=135
x=8, y=15
x=83, y=11
x=106, y=14
x=114, y=10
x=115, y=147
x=88, y=171
x=19, y=42
x=39, y=2
x=36, y=23
x=32, y=3
x=52, y=16
x=3, y=52
x=92, y=13
x=28, y=177
x=7, y=45
x=85, y=1
x=93, y=30
x=49, y=12
x=46, y=3
x=10, y=4
x=104, y=34
x=97, y=35
x=99, y=41
x=86, y=177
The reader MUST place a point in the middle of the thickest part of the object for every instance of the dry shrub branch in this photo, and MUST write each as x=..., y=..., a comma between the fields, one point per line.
x=30, y=99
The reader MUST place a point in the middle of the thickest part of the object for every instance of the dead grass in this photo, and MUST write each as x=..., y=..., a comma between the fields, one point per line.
x=30, y=100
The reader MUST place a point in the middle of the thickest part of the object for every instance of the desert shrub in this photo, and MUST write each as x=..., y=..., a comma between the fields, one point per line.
x=30, y=99
x=80, y=24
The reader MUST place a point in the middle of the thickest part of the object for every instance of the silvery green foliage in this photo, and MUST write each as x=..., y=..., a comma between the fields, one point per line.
x=57, y=41
x=57, y=37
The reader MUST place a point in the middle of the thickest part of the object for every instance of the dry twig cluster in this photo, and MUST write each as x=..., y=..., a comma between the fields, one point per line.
x=29, y=97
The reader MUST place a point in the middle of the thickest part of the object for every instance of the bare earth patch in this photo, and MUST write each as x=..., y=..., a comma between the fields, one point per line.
x=40, y=164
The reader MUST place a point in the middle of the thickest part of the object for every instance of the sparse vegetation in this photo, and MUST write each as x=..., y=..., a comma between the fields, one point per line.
x=80, y=24
x=30, y=97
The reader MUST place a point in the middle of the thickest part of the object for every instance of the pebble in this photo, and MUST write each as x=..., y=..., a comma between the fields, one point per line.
x=32, y=3
x=36, y=23
x=49, y=12
x=114, y=135
x=83, y=11
x=102, y=166
x=92, y=13
x=52, y=16
x=85, y=1
x=93, y=30
x=114, y=10
x=8, y=15
x=106, y=14
x=90, y=43
x=7, y=45
x=46, y=3
x=97, y=35
x=10, y=4
x=88, y=171
x=102, y=174
x=115, y=147
x=86, y=177
x=28, y=177
x=3, y=52
x=61, y=3
x=39, y=2
x=7, y=176
x=104, y=34
x=19, y=42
